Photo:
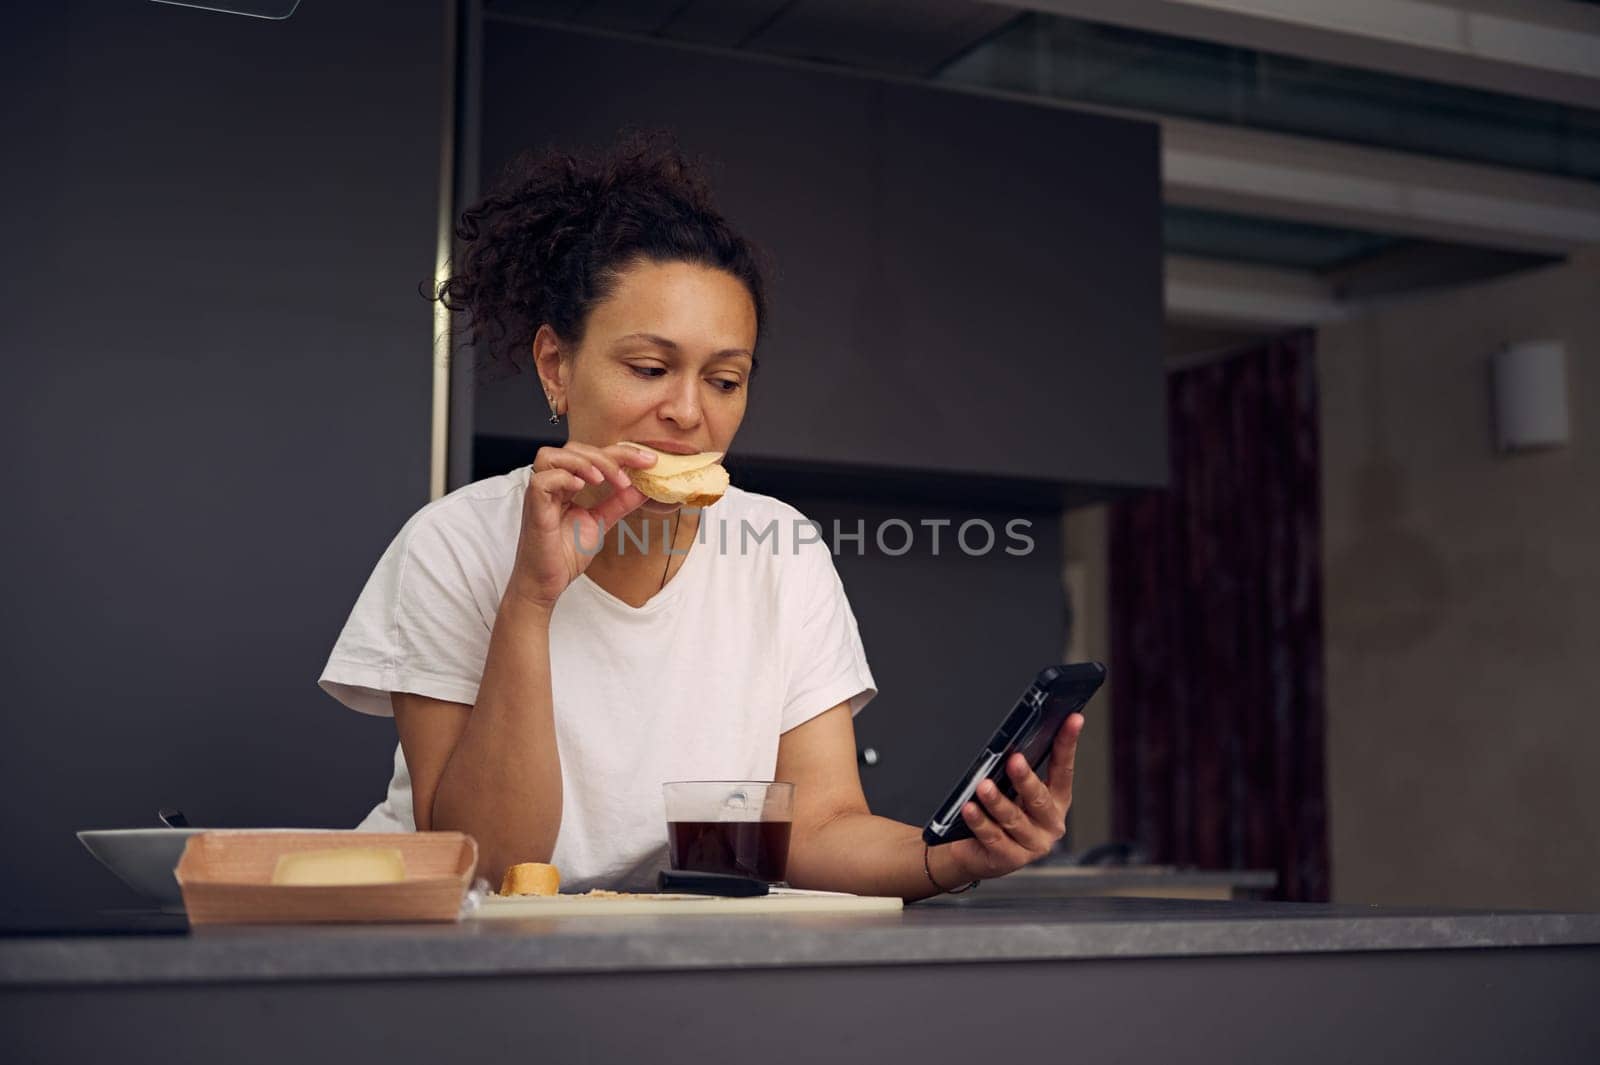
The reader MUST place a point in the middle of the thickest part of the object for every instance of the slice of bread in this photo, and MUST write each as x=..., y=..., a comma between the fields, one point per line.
x=693, y=480
x=531, y=878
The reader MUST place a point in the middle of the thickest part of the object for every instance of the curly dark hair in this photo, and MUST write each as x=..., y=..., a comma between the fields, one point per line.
x=552, y=238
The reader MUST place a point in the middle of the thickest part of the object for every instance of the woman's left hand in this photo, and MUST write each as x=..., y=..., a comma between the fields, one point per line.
x=1008, y=835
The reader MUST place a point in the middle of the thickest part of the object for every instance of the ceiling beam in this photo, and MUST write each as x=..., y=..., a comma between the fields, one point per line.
x=1304, y=179
x=1206, y=292
x=1541, y=49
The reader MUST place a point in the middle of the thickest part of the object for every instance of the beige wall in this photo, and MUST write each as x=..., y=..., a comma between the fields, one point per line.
x=1084, y=577
x=1462, y=597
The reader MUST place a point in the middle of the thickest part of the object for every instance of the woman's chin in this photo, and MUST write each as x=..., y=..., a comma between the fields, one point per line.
x=658, y=508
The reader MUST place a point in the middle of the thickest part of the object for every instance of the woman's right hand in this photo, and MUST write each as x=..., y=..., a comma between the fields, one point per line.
x=560, y=538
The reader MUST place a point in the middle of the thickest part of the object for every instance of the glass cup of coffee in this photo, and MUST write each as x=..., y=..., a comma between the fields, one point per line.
x=738, y=827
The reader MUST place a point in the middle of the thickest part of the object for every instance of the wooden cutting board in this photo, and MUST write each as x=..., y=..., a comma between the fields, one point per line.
x=781, y=900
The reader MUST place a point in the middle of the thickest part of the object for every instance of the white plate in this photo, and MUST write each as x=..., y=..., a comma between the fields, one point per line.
x=143, y=858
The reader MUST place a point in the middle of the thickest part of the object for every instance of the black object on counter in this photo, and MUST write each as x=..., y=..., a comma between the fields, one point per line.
x=92, y=923
x=738, y=887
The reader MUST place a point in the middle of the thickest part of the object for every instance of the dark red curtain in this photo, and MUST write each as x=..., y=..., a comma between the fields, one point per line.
x=1216, y=628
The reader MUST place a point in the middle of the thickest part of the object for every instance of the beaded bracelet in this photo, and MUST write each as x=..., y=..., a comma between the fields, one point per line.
x=926, y=868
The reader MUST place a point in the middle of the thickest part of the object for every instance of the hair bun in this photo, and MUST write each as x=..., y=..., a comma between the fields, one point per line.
x=553, y=235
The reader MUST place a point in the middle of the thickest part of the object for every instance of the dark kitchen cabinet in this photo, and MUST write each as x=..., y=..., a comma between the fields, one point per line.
x=963, y=285
x=218, y=385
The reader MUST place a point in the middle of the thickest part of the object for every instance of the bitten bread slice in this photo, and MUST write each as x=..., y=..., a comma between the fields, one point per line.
x=531, y=878
x=696, y=488
x=693, y=480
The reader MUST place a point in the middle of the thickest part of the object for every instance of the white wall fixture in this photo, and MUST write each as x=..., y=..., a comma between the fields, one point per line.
x=1529, y=384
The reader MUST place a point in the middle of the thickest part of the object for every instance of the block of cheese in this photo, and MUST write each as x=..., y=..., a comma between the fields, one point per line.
x=340, y=866
x=531, y=878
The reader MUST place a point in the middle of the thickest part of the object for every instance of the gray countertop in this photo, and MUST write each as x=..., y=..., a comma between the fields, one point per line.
x=1139, y=874
x=944, y=931
x=1116, y=879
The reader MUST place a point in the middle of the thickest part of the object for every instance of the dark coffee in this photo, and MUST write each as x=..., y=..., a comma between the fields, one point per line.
x=758, y=849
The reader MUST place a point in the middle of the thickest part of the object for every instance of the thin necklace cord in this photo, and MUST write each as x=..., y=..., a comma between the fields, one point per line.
x=670, y=546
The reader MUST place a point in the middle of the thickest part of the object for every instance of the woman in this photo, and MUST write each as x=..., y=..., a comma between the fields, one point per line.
x=547, y=673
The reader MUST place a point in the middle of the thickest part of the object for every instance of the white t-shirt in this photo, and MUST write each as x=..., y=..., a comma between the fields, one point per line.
x=751, y=637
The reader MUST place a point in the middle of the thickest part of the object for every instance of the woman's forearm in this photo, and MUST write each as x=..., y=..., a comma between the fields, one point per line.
x=502, y=783
x=867, y=855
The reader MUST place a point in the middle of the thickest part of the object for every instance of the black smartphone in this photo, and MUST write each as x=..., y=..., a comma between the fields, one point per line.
x=1055, y=695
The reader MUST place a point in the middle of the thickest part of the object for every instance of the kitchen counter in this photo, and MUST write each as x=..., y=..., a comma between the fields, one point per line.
x=948, y=930
x=1143, y=881
x=945, y=976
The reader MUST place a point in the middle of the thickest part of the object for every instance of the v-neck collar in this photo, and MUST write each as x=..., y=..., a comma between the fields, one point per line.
x=674, y=587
